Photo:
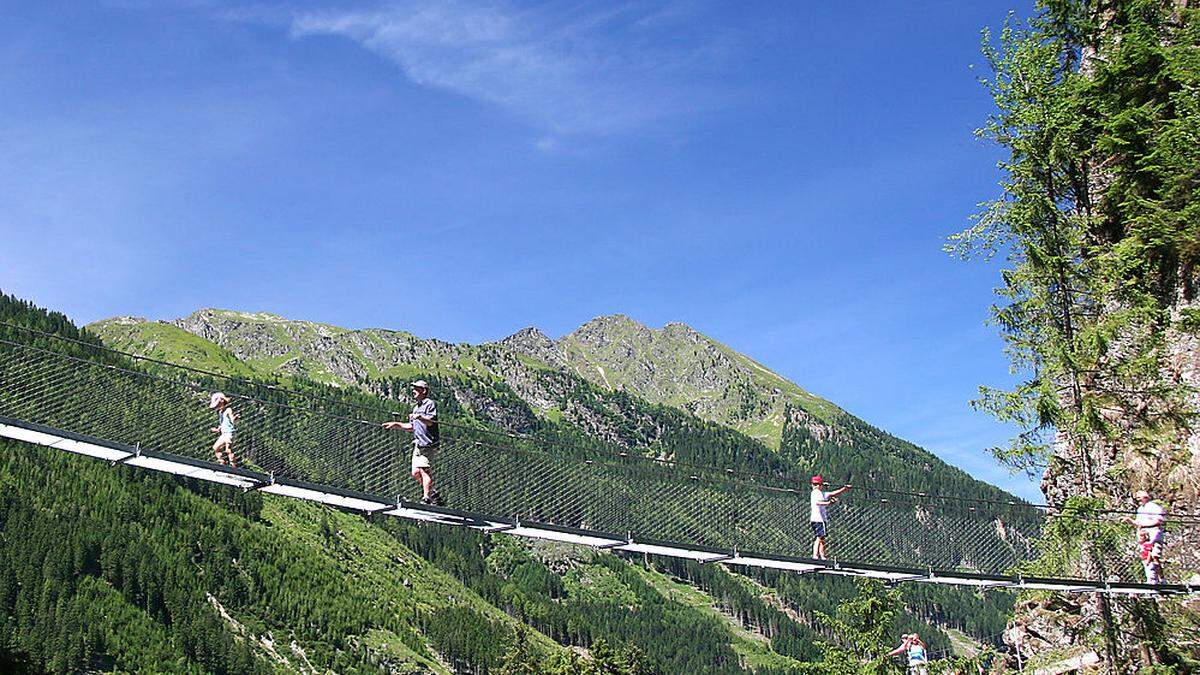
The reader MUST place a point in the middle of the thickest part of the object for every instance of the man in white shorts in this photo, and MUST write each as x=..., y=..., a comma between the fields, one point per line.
x=422, y=422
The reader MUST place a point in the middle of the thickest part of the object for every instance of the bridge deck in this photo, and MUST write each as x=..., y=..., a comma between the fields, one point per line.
x=119, y=453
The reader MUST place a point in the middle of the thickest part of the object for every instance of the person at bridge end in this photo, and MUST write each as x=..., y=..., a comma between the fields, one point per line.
x=818, y=500
x=226, y=419
x=913, y=649
x=1149, y=521
x=422, y=422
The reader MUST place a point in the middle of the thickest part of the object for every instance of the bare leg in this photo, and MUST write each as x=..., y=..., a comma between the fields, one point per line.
x=1151, y=567
x=217, y=448
x=819, y=548
x=423, y=478
x=426, y=482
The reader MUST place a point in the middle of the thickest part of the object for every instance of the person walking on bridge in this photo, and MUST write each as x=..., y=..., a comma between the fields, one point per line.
x=226, y=419
x=1149, y=521
x=818, y=500
x=422, y=422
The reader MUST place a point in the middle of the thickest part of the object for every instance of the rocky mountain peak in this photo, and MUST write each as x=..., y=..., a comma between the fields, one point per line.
x=211, y=321
x=611, y=324
x=214, y=313
x=611, y=332
x=124, y=321
x=679, y=330
x=529, y=335
x=532, y=342
x=620, y=327
x=612, y=320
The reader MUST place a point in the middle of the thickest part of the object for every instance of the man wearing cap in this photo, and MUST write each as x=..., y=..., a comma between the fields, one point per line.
x=1149, y=521
x=422, y=422
x=818, y=500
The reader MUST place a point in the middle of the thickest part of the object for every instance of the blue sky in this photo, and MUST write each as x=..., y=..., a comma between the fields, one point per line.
x=781, y=176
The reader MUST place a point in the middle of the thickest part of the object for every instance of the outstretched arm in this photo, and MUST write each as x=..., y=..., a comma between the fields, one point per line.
x=397, y=425
x=840, y=491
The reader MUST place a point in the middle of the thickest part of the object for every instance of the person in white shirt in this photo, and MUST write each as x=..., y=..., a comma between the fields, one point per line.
x=1149, y=521
x=226, y=419
x=818, y=500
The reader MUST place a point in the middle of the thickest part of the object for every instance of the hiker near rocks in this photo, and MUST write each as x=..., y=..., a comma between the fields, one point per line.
x=1149, y=520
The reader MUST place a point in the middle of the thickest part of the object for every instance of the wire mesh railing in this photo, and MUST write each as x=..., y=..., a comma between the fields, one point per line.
x=160, y=407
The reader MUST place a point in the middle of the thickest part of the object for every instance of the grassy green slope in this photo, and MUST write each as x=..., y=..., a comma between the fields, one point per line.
x=754, y=649
x=166, y=342
x=266, y=344
x=215, y=580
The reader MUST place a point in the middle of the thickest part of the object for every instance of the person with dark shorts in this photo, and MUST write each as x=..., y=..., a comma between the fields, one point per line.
x=818, y=519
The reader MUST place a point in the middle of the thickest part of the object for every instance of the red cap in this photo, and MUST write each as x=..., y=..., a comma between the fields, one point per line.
x=817, y=479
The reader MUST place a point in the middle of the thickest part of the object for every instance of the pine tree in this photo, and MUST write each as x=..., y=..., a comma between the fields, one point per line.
x=863, y=628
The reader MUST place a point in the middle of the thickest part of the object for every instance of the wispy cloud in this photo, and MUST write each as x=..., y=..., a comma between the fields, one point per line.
x=567, y=71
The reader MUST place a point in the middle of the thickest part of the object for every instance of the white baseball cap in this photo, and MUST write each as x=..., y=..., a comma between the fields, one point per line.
x=216, y=399
x=421, y=384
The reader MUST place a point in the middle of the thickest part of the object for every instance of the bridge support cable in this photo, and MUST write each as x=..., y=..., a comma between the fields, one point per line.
x=111, y=408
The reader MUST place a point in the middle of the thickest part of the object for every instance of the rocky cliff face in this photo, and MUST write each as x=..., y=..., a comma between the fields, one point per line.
x=1152, y=444
x=536, y=344
x=322, y=352
x=1111, y=469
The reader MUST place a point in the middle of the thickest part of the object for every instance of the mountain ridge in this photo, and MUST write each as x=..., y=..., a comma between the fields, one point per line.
x=525, y=381
x=674, y=365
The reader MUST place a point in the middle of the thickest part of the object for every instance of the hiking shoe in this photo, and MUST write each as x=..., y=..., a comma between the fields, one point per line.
x=437, y=500
x=427, y=500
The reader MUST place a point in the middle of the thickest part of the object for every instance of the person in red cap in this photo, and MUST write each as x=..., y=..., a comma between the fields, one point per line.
x=818, y=500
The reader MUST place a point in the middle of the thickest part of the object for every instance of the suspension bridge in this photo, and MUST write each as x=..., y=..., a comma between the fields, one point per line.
x=129, y=410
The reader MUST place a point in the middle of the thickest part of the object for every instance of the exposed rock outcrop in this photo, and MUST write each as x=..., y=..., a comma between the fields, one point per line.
x=536, y=344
